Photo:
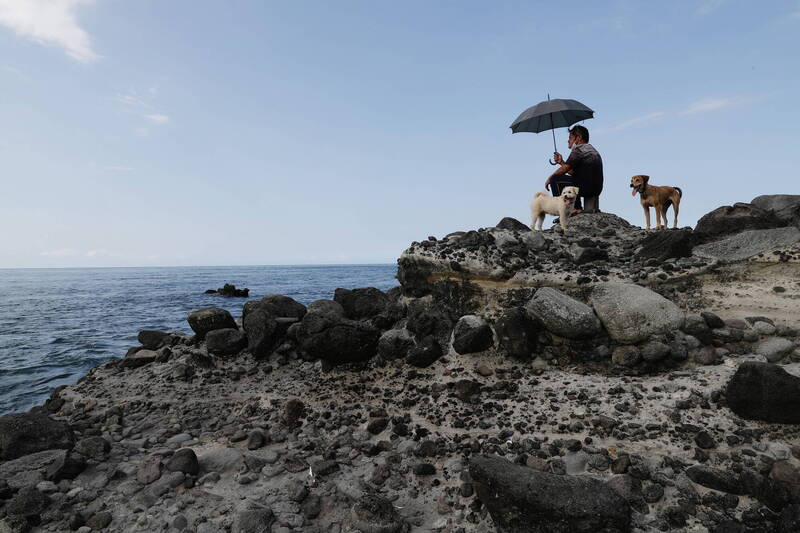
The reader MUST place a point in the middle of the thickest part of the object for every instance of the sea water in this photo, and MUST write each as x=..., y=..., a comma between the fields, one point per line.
x=56, y=324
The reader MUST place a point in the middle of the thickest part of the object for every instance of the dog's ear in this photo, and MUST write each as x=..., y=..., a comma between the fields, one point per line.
x=577, y=190
x=645, y=178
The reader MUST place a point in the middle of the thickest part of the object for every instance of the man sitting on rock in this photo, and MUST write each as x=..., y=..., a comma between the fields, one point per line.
x=583, y=169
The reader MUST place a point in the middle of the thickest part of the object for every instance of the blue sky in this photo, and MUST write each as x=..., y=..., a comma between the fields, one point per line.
x=148, y=132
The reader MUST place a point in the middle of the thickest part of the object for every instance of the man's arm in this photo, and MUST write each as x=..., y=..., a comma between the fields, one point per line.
x=563, y=169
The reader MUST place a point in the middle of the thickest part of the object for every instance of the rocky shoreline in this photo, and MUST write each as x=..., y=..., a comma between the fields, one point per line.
x=603, y=379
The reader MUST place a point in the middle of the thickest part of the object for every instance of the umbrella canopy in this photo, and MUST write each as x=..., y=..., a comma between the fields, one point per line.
x=551, y=114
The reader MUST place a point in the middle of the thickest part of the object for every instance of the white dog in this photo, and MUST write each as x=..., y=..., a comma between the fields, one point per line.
x=560, y=206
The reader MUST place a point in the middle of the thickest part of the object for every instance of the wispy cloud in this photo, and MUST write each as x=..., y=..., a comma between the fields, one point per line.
x=102, y=252
x=157, y=118
x=118, y=169
x=714, y=104
x=634, y=121
x=50, y=22
x=131, y=99
x=61, y=252
x=16, y=72
x=707, y=7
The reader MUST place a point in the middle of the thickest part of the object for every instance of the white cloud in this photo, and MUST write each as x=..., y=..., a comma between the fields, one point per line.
x=157, y=118
x=61, y=252
x=713, y=104
x=49, y=22
x=634, y=121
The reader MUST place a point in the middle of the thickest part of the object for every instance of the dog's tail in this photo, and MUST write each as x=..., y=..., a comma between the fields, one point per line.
x=680, y=192
x=540, y=193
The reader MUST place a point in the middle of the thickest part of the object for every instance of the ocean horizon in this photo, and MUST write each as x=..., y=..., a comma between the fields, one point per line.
x=58, y=323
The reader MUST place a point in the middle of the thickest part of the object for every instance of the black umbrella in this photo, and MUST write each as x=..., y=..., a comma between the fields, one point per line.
x=551, y=114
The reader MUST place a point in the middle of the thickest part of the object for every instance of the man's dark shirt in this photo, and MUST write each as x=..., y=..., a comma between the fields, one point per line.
x=586, y=167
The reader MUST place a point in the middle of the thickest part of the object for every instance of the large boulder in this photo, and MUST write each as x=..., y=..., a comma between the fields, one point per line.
x=208, y=319
x=395, y=344
x=714, y=478
x=153, y=340
x=517, y=333
x=509, y=223
x=774, y=348
x=52, y=465
x=34, y=431
x=784, y=207
x=727, y=220
x=336, y=340
x=226, y=341
x=748, y=244
x=425, y=353
x=522, y=499
x=472, y=334
x=632, y=313
x=262, y=330
x=764, y=391
x=663, y=245
x=562, y=315
x=359, y=304
x=277, y=305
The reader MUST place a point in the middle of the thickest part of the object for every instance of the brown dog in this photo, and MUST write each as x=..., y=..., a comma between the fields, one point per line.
x=658, y=197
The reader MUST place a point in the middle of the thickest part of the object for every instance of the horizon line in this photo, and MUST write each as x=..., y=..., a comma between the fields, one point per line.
x=195, y=266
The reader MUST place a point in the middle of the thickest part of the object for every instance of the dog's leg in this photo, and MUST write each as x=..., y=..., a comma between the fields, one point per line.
x=675, y=204
x=541, y=221
x=647, y=216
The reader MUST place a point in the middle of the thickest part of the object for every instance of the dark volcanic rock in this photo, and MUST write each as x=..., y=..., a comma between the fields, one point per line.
x=226, y=341
x=34, y=431
x=425, y=353
x=337, y=340
x=472, y=334
x=395, y=344
x=662, y=245
x=137, y=358
x=512, y=224
x=262, y=331
x=28, y=502
x=153, y=340
x=522, y=499
x=184, y=460
x=413, y=273
x=727, y=220
x=375, y=514
x=253, y=521
x=517, y=333
x=231, y=291
x=564, y=316
x=208, y=319
x=716, y=479
x=764, y=391
x=276, y=305
x=361, y=303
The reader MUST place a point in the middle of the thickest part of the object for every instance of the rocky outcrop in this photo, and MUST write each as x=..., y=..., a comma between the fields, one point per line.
x=729, y=220
x=524, y=499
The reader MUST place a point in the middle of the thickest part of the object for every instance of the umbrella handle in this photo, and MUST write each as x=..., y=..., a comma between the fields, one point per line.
x=553, y=162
